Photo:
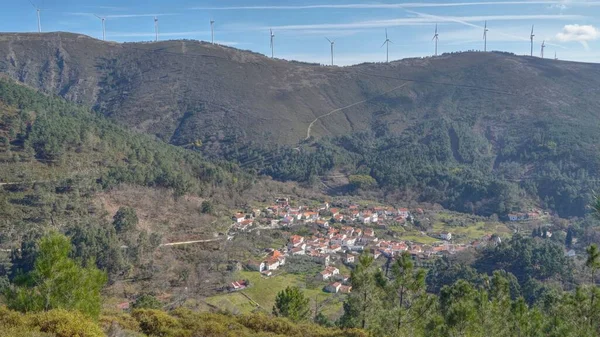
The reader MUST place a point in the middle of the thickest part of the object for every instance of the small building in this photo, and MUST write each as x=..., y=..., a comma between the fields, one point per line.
x=349, y=258
x=446, y=236
x=123, y=306
x=298, y=251
x=403, y=212
x=272, y=263
x=239, y=217
x=333, y=288
x=238, y=285
x=329, y=272
x=255, y=265
x=345, y=289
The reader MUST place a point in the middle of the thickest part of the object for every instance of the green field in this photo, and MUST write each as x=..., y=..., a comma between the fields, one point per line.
x=263, y=291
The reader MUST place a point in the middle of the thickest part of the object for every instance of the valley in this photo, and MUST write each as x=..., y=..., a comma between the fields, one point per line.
x=181, y=178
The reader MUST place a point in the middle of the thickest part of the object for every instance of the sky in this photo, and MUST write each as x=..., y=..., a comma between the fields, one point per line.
x=570, y=28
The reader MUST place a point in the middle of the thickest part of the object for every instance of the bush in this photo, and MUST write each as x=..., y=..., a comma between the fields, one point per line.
x=64, y=323
x=147, y=302
x=155, y=322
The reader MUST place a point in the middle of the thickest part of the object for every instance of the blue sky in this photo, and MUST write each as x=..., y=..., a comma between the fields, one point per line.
x=569, y=27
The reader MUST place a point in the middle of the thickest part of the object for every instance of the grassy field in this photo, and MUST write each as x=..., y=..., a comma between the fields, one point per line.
x=263, y=291
x=473, y=231
x=464, y=228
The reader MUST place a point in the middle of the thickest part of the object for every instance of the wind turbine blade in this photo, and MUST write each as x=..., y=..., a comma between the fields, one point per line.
x=383, y=44
x=328, y=40
x=34, y=6
x=386, y=35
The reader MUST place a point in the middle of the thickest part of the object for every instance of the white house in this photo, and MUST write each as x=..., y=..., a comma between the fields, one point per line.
x=446, y=236
x=329, y=272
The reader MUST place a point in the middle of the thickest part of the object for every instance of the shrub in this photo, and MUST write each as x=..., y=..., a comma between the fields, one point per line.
x=64, y=323
x=155, y=322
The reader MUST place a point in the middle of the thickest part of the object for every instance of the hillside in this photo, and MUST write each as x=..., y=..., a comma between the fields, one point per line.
x=476, y=132
x=63, y=167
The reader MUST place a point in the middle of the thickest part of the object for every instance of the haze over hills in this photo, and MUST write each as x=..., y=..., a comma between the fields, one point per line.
x=459, y=129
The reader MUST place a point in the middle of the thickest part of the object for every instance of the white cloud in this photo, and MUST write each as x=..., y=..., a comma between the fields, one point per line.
x=424, y=19
x=119, y=16
x=558, y=3
x=579, y=33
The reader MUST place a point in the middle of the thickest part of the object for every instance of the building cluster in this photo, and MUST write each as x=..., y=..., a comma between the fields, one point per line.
x=282, y=214
x=534, y=214
x=340, y=234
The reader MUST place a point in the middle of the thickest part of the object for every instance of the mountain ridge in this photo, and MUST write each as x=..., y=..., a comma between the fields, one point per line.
x=476, y=132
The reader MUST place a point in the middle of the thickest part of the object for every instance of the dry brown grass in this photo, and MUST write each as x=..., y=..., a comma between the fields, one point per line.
x=159, y=212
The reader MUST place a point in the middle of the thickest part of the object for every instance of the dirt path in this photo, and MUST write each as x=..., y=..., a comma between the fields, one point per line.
x=350, y=106
x=188, y=242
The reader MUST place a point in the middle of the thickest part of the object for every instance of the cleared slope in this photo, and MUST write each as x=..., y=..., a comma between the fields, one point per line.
x=188, y=90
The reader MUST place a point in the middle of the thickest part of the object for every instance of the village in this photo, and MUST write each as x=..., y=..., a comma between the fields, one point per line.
x=336, y=236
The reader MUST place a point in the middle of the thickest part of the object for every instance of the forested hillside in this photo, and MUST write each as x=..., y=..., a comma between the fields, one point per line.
x=60, y=297
x=477, y=132
x=64, y=167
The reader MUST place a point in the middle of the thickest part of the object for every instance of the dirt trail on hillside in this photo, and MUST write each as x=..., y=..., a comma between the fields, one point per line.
x=350, y=106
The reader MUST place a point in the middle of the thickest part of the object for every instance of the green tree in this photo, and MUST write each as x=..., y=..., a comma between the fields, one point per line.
x=125, y=219
x=569, y=238
x=362, y=181
x=147, y=301
x=362, y=305
x=457, y=304
x=593, y=263
x=57, y=281
x=408, y=292
x=292, y=303
x=207, y=207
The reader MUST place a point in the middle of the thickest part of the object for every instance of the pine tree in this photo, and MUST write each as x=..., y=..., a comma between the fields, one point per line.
x=362, y=304
x=569, y=238
x=58, y=281
x=292, y=303
x=593, y=263
x=408, y=289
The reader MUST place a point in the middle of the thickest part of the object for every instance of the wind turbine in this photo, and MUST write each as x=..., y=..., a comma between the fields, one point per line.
x=156, y=29
x=555, y=58
x=543, y=46
x=332, y=43
x=39, y=21
x=485, y=30
x=212, y=31
x=387, y=44
x=103, y=26
x=436, y=38
x=531, y=38
x=272, y=44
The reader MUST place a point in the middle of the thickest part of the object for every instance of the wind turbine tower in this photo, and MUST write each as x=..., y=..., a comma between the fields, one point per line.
x=103, y=26
x=39, y=21
x=435, y=38
x=386, y=43
x=332, y=44
x=543, y=46
x=555, y=58
x=272, y=44
x=212, y=31
x=485, y=30
x=531, y=39
x=156, y=29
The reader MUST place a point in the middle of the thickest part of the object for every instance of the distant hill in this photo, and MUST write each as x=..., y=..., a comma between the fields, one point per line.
x=461, y=129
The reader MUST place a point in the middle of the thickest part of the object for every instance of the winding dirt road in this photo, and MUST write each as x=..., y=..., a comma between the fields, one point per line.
x=350, y=106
